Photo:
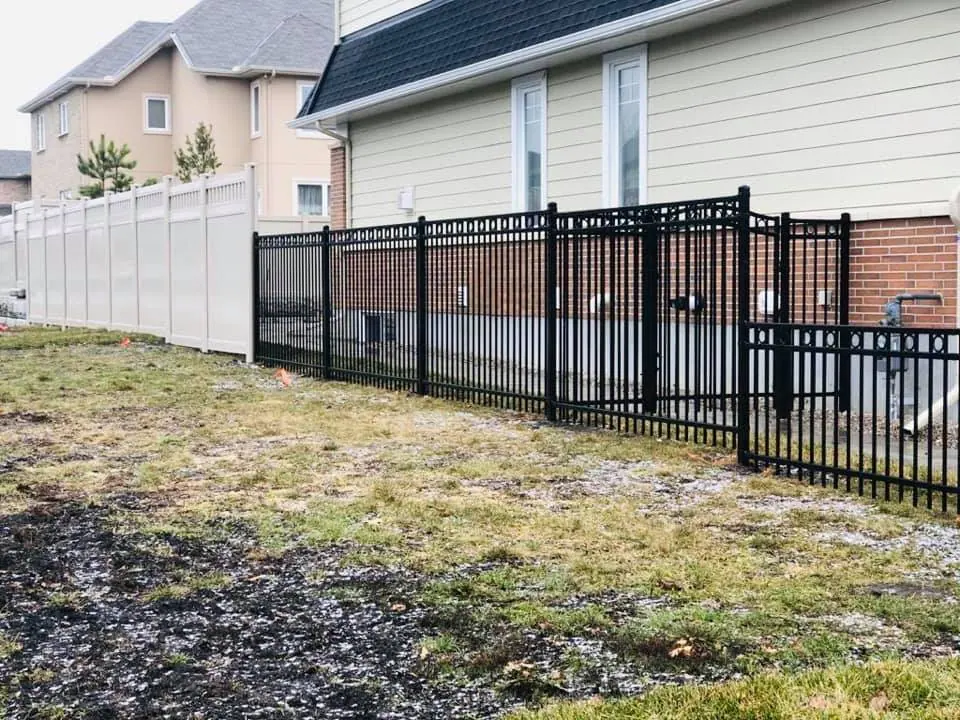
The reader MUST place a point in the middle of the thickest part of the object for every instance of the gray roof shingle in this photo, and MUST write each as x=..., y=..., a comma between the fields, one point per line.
x=444, y=35
x=14, y=164
x=224, y=36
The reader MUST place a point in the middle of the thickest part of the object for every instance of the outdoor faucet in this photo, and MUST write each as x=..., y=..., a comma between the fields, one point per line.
x=893, y=310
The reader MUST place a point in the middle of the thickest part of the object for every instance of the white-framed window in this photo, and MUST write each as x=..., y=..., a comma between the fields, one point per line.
x=64, y=118
x=40, y=132
x=66, y=195
x=304, y=88
x=625, y=127
x=311, y=197
x=255, y=103
x=529, y=113
x=156, y=114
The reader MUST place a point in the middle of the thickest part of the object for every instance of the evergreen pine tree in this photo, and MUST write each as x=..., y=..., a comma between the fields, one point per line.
x=200, y=155
x=107, y=163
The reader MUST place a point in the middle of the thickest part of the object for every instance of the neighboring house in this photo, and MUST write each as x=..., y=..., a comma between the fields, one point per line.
x=470, y=107
x=14, y=178
x=242, y=66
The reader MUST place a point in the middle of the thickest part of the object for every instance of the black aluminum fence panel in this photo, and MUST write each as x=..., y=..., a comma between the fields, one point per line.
x=896, y=439
x=485, y=332
x=647, y=318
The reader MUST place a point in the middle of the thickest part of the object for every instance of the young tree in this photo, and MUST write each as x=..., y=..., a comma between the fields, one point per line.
x=108, y=167
x=200, y=155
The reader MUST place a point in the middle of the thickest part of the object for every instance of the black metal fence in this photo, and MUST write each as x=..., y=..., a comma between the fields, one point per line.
x=697, y=320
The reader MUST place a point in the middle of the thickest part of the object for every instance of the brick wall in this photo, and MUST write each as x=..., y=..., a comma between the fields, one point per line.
x=895, y=256
x=14, y=191
x=338, y=187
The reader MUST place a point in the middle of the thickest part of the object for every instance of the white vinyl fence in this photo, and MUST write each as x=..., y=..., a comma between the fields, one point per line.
x=169, y=260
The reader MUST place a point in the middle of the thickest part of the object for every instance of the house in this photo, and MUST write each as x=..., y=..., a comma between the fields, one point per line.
x=472, y=107
x=14, y=178
x=242, y=66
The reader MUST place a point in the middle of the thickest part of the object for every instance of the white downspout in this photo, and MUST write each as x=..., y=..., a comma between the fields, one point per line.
x=934, y=412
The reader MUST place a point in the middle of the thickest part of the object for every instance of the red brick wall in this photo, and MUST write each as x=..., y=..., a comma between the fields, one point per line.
x=338, y=187
x=888, y=257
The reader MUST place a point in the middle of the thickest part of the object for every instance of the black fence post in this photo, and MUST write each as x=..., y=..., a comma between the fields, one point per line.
x=844, y=358
x=649, y=322
x=326, y=330
x=421, y=271
x=256, y=296
x=743, y=318
x=550, y=317
x=782, y=355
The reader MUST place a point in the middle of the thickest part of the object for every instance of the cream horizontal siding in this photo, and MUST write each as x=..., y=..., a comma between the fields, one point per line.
x=575, y=135
x=454, y=152
x=818, y=106
x=358, y=14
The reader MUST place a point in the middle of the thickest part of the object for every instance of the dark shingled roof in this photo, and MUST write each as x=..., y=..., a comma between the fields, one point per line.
x=444, y=35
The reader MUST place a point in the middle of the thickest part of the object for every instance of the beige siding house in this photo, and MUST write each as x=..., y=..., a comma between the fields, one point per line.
x=820, y=106
x=153, y=85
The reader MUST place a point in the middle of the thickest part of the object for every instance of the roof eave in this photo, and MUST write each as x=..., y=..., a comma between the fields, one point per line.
x=609, y=31
x=71, y=82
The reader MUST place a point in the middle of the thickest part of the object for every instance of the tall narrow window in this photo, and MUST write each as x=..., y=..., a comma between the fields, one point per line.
x=625, y=127
x=530, y=142
x=40, y=142
x=304, y=88
x=64, y=118
x=255, y=109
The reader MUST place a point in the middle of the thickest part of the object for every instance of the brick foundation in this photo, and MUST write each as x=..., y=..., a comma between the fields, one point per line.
x=888, y=257
x=338, y=187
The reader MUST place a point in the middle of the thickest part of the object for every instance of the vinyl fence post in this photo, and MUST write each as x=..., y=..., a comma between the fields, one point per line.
x=108, y=234
x=136, y=252
x=743, y=317
x=782, y=355
x=649, y=322
x=168, y=254
x=326, y=330
x=63, y=262
x=550, y=317
x=422, y=339
x=46, y=266
x=255, y=305
x=844, y=359
x=205, y=265
x=86, y=263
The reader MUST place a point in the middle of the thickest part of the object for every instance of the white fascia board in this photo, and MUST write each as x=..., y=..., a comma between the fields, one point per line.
x=599, y=34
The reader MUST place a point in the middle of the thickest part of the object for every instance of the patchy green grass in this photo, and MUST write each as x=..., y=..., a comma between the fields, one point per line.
x=659, y=549
x=902, y=690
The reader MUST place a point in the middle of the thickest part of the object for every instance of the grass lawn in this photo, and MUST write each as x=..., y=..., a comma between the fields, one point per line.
x=183, y=535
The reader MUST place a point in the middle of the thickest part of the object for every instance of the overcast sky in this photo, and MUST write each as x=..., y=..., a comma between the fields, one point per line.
x=44, y=39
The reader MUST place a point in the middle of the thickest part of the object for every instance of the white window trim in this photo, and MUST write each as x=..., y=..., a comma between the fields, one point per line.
x=297, y=182
x=612, y=64
x=166, y=130
x=40, y=130
x=63, y=110
x=518, y=88
x=256, y=111
x=306, y=132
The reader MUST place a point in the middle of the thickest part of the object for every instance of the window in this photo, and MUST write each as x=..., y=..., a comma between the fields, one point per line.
x=156, y=114
x=625, y=127
x=255, y=109
x=40, y=141
x=312, y=198
x=304, y=88
x=64, y=118
x=66, y=195
x=529, y=142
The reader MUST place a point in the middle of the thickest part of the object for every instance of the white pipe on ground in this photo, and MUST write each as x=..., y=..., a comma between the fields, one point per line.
x=932, y=413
